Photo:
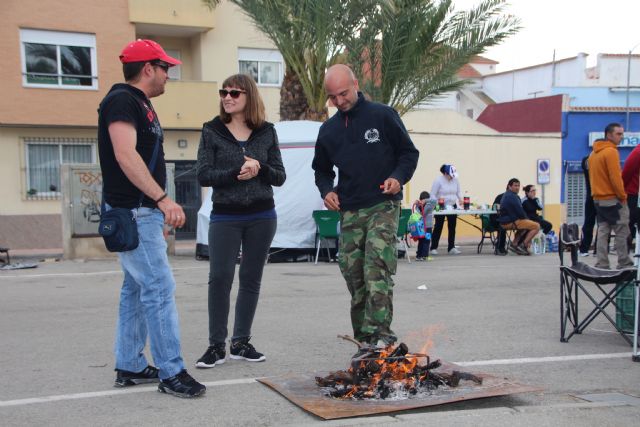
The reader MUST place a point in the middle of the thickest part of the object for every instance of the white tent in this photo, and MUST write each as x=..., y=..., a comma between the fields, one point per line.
x=296, y=199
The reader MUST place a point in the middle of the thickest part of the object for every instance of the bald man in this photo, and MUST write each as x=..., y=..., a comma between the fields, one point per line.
x=374, y=155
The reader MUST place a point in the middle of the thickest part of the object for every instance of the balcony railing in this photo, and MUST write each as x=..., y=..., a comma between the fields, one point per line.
x=171, y=17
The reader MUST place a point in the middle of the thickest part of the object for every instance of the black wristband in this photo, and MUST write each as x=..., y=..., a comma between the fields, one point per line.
x=161, y=198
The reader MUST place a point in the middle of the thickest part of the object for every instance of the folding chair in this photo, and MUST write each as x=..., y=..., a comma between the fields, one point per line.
x=401, y=235
x=573, y=283
x=326, y=228
x=489, y=231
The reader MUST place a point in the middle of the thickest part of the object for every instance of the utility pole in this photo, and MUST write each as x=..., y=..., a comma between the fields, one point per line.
x=626, y=123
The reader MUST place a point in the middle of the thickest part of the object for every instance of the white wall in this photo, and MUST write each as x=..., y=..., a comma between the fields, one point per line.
x=534, y=81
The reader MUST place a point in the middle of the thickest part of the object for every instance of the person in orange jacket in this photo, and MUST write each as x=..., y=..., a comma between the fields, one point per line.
x=609, y=197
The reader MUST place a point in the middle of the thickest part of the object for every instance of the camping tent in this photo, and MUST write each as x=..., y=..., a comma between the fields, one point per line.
x=295, y=200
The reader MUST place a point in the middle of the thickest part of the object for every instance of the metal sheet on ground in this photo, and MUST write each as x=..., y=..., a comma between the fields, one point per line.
x=301, y=389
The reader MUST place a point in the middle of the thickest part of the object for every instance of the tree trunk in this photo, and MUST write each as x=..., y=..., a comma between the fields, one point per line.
x=293, y=103
x=316, y=116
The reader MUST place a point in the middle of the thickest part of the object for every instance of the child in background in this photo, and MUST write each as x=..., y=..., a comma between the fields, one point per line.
x=425, y=206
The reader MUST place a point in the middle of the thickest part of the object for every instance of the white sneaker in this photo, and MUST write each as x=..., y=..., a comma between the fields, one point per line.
x=454, y=251
x=433, y=252
x=584, y=253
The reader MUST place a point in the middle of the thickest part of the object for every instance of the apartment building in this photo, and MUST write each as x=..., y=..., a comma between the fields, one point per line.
x=59, y=60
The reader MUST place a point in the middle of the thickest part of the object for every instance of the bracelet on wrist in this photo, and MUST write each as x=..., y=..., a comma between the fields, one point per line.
x=162, y=198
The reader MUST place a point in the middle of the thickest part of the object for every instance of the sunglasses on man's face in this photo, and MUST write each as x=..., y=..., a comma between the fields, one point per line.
x=233, y=92
x=162, y=65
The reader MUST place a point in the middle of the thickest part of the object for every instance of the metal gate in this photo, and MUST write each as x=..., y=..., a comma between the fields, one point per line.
x=189, y=196
x=575, y=192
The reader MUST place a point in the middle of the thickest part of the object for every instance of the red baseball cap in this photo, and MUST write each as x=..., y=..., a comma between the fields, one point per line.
x=146, y=50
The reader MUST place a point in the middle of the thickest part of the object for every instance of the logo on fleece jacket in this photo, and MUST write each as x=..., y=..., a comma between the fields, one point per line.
x=372, y=135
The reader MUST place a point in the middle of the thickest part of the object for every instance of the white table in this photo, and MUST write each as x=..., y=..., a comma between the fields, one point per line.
x=465, y=212
x=474, y=212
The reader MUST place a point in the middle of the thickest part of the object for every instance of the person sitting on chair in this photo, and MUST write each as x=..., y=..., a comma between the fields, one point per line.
x=513, y=217
x=502, y=233
x=531, y=205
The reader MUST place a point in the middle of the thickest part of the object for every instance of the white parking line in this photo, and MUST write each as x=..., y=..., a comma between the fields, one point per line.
x=115, y=392
x=88, y=273
x=544, y=359
x=141, y=389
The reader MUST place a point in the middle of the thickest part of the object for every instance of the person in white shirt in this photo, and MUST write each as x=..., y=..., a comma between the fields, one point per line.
x=446, y=187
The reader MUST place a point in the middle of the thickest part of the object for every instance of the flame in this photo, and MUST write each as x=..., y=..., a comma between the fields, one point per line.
x=401, y=371
x=423, y=338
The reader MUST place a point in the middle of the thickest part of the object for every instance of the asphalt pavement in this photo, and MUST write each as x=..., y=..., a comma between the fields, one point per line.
x=498, y=315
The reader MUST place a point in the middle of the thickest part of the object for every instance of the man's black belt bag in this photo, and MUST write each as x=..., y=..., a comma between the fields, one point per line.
x=119, y=230
x=118, y=226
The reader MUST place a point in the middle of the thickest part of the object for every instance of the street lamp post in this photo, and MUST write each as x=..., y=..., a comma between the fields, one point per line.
x=626, y=123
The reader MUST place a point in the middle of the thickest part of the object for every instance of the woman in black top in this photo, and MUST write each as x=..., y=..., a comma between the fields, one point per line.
x=239, y=157
x=531, y=205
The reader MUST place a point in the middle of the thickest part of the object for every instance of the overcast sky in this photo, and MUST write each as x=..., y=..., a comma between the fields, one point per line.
x=569, y=27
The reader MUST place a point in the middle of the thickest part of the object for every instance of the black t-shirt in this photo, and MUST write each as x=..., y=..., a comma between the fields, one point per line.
x=125, y=103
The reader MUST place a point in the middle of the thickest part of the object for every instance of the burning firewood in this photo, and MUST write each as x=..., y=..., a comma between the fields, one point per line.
x=378, y=373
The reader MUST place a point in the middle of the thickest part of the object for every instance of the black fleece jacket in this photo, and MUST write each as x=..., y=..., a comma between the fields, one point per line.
x=368, y=144
x=220, y=158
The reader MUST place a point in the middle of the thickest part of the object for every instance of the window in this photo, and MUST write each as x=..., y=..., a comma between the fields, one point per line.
x=175, y=72
x=44, y=157
x=54, y=59
x=264, y=65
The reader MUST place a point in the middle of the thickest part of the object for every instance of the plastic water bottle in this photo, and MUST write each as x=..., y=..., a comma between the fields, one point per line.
x=536, y=245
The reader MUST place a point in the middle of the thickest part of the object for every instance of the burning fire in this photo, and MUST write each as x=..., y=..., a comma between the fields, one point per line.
x=393, y=371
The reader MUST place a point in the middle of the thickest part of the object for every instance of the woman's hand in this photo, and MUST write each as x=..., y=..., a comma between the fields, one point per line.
x=249, y=169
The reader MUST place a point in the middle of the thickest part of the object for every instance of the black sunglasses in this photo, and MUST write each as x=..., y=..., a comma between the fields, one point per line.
x=162, y=65
x=233, y=92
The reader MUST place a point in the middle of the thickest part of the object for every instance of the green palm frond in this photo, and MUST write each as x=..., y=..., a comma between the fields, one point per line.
x=420, y=45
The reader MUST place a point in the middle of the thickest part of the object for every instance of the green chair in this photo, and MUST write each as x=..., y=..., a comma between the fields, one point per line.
x=401, y=235
x=326, y=228
x=489, y=231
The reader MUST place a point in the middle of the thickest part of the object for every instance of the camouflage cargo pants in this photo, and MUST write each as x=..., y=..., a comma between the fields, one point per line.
x=367, y=261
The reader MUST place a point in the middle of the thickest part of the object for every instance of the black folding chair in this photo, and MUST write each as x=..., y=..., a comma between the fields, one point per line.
x=582, y=279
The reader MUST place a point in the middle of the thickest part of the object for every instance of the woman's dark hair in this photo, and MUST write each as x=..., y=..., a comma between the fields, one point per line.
x=528, y=188
x=443, y=169
x=254, y=114
x=424, y=195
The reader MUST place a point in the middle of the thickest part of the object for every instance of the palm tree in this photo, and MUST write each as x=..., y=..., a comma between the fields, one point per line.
x=409, y=51
x=403, y=51
x=310, y=35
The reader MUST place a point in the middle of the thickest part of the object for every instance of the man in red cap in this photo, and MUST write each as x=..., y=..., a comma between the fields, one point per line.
x=134, y=173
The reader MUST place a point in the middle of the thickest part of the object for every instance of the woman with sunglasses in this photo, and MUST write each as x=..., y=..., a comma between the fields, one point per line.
x=240, y=158
x=531, y=205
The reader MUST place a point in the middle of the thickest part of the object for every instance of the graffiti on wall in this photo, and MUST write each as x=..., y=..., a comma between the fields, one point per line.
x=86, y=196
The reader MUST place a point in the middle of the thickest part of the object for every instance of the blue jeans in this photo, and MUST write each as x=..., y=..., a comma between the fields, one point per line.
x=147, y=302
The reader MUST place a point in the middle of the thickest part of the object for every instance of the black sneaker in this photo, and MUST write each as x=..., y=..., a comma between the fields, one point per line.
x=182, y=385
x=242, y=350
x=146, y=376
x=215, y=355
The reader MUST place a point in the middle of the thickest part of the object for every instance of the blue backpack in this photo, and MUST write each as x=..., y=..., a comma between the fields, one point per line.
x=415, y=226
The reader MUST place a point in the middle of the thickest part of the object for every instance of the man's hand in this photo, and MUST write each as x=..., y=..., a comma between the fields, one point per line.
x=249, y=169
x=173, y=213
x=391, y=186
x=331, y=201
